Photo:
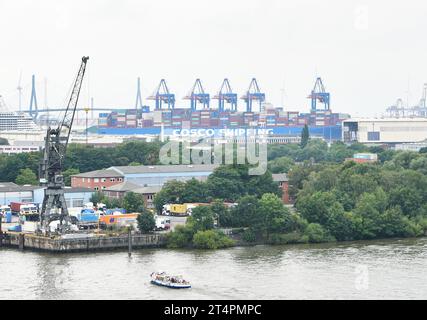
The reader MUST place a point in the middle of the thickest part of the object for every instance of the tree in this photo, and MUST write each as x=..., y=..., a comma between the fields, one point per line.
x=225, y=183
x=222, y=213
x=112, y=202
x=316, y=233
x=316, y=207
x=280, y=165
x=194, y=191
x=67, y=175
x=247, y=213
x=315, y=150
x=305, y=137
x=202, y=218
x=276, y=215
x=133, y=202
x=404, y=158
x=4, y=142
x=26, y=176
x=171, y=192
x=367, y=208
x=146, y=222
x=408, y=199
x=97, y=197
x=338, y=152
x=419, y=164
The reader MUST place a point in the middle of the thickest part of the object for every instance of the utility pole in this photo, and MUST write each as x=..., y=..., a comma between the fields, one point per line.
x=129, y=241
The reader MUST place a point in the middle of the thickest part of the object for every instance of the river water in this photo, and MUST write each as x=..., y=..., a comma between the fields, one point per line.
x=390, y=269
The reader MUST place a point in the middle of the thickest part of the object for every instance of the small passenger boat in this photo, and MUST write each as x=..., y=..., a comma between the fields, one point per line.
x=164, y=280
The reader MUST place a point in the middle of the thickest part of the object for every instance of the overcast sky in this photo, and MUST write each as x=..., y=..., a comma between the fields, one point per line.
x=367, y=53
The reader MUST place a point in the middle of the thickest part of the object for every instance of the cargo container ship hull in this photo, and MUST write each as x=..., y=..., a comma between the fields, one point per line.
x=326, y=132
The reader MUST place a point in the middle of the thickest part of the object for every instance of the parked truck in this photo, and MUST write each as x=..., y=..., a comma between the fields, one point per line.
x=162, y=223
x=87, y=219
x=22, y=208
x=118, y=219
x=185, y=209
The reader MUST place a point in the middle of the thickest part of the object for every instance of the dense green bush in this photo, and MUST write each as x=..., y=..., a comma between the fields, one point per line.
x=181, y=237
x=315, y=233
x=287, y=238
x=211, y=239
x=249, y=235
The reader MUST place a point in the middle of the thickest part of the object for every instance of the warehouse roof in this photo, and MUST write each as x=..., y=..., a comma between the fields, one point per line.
x=280, y=177
x=123, y=187
x=108, y=173
x=13, y=187
x=8, y=187
x=165, y=168
x=77, y=190
x=148, y=190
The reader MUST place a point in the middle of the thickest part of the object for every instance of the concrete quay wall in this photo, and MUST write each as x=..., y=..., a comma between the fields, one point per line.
x=96, y=243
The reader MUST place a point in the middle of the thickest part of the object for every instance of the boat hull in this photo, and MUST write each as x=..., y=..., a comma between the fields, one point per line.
x=170, y=285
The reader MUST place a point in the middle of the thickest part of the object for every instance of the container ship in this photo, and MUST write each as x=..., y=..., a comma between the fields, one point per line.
x=324, y=124
x=201, y=117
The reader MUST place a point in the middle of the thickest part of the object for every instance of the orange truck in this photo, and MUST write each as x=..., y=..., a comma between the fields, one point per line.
x=118, y=219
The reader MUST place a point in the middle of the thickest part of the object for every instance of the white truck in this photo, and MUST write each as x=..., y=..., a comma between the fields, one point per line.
x=162, y=223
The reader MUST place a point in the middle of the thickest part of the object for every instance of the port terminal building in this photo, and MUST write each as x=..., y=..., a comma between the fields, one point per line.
x=391, y=131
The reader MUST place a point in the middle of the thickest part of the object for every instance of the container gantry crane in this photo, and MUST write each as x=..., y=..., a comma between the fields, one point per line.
x=50, y=170
x=226, y=95
x=197, y=95
x=421, y=109
x=162, y=95
x=319, y=96
x=253, y=94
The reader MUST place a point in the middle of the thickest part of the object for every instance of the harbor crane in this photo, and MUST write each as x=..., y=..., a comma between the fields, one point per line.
x=397, y=110
x=421, y=109
x=197, y=95
x=253, y=94
x=226, y=95
x=162, y=95
x=51, y=166
x=319, y=96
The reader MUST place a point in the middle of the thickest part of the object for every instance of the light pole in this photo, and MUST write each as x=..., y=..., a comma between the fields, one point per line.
x=87, y=111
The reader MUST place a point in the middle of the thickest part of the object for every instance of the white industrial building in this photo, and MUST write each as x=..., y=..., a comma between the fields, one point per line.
x=385, y=131
x=11, y=192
